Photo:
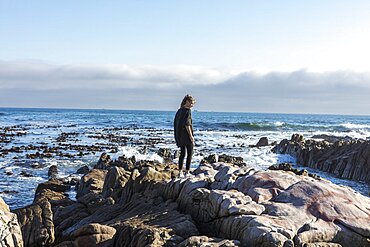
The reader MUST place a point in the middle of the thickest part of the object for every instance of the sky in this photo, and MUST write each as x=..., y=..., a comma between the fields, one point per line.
x=239, y=55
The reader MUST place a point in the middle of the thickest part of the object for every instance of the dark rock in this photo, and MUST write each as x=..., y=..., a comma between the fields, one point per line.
x=231, y=159
x=213, y=158
x=53, y=171
x=297, y=138
x=263, y=142
x=35, y=165
x=289, y=168
x=125, y=162
x=165, y=153
x=83, y=170
x=332, y=138
x=104, y=162
x=25, y=174
x=13, y=192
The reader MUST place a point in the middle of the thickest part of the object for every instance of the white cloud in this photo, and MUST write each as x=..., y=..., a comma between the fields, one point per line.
x=26, y=75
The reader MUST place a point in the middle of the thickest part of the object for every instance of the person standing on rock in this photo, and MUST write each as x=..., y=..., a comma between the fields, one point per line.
x=183, y=128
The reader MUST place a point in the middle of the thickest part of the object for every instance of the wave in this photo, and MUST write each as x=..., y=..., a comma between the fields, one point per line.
x=247, y=126
x=283, y=126
x=355, y=126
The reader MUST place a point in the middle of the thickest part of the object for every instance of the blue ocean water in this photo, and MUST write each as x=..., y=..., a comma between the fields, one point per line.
x=142, y=133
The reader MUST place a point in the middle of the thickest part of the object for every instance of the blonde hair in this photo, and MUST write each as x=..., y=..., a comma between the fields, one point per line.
x=187, y=97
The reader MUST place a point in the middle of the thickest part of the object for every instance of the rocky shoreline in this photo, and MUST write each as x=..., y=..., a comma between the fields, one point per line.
x=345, y=158
x=224, y=202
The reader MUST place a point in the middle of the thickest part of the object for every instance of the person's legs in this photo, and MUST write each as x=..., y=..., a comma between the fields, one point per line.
x=189, y=149
x=182, y=156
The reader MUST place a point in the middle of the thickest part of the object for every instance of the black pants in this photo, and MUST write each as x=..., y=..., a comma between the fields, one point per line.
x=189, y=150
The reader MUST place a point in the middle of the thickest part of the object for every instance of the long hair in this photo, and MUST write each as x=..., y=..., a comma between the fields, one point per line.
x=187, y=97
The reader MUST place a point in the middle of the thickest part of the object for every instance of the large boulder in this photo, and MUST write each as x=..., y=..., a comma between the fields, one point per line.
x=91, y=182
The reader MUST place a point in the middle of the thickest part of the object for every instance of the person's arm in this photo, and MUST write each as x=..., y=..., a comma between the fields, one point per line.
x=190, y=132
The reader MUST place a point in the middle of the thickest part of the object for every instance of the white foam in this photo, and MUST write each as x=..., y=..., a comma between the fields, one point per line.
x=278, y=123
x=355, y=126
x=130, y=151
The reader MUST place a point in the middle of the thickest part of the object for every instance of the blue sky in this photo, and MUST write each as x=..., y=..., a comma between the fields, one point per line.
x=288, y=54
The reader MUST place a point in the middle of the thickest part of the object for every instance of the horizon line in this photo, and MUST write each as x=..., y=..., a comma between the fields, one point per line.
x=194, y=110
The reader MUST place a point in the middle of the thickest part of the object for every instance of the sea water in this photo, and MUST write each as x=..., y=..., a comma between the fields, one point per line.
x=143, y=133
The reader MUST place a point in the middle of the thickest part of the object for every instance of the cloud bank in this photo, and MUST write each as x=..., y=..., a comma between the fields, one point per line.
x=40, y=84
x=26, y=75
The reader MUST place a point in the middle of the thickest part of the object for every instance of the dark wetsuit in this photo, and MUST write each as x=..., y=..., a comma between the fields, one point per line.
x=182, y=119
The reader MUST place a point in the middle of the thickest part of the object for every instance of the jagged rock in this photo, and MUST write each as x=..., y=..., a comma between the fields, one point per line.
x=125, y=162
x=104, y=162
x=263, y=142
x=53, y=171
x=10, y=231
x=213, y=158
x=297, y=138
x=165, y=153
x=289, y=168
x=231, y=159
x=114, y=181
x=91, y=182
x=331, y=138
x=36, y=222
x=345, y=159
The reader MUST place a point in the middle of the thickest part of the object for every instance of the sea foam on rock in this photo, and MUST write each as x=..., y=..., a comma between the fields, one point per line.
x=220, y=204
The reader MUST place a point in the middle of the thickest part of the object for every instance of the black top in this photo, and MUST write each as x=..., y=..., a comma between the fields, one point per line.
x=182, y=119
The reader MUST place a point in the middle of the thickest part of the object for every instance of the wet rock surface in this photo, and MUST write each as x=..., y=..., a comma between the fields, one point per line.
x=345, y=158
x=219, y=204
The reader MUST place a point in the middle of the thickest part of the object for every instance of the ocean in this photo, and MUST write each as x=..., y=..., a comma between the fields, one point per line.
x=31, y=140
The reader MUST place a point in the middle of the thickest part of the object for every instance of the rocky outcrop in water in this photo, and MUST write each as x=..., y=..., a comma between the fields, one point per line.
x=345, y=158
x=219, y=204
